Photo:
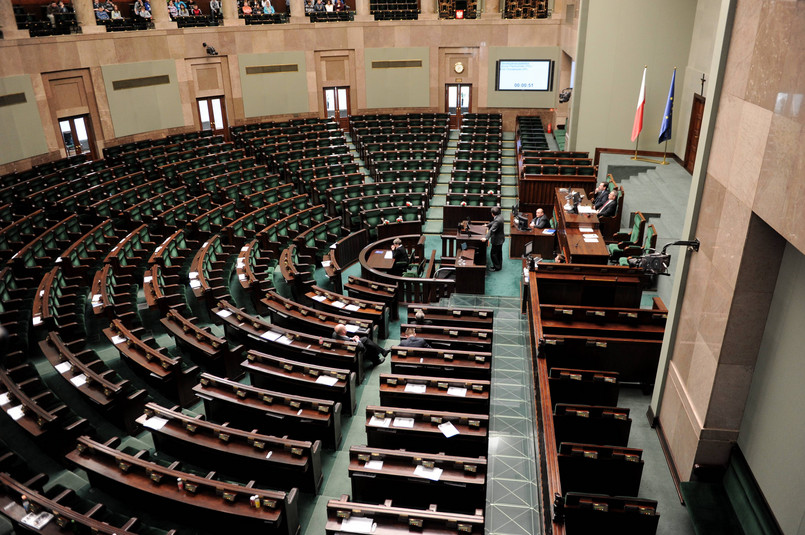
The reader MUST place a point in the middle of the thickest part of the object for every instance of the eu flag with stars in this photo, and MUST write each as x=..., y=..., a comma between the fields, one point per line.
x=668, y=116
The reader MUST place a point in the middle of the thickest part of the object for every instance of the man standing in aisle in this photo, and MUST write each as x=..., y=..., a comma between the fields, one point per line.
x=495, y=236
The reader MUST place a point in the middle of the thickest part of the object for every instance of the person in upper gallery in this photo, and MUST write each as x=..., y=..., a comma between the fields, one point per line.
x=116, y=15
x=215, y=8
x=195, y=10
x=100, y=12
x=609, y=208
x=318, y=7
x=371, y=349
x=495, y=236
x=599, y=196
x=412, y=340
x=173, y=11
x=419, y=318
x=540, y=220
x=400, y=256
x=53, y=8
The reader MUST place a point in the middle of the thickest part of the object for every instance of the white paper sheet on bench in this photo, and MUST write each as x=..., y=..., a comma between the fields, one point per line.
x=434, y=474
x=319, y=298
x=118, y=339
x=155, y=422
x=352, y=308
x=585, y=229
x=79, y=380
x=63, y=367
x=448, y=429
x=379, y=422
x=16, y=412
x=326, y=380
x=373, y=465
x=270, y=335
x=5, y=398
x=458, y=391
x=224, y=313
x=415, y=388
x=358, y=525
x=404, y=422
x=389, y=255
x=351, y=328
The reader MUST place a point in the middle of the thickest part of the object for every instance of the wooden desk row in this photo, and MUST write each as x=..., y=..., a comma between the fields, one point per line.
x=206, y=501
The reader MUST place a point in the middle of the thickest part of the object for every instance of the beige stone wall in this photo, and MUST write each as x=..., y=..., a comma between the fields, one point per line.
x=315, y=43
x=751, y=206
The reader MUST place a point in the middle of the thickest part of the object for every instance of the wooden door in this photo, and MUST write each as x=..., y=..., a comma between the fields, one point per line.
x=336, y=105
x=457, y=102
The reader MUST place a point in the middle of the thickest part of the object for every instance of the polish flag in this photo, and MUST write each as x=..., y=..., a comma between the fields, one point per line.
x=641, y=102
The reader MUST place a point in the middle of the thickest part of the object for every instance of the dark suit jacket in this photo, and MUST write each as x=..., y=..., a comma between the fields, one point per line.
x=495, y=233
x=541, y=222
x=415, y=341
x=600, y=198
x=609, y=209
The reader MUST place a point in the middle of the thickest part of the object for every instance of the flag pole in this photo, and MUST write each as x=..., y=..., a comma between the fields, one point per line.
x=664, y=152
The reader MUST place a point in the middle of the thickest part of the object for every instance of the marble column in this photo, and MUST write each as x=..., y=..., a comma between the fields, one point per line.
x=8, y=24
x=362, y=10
x=230, y=10
x=160, y=16
x=85, y=16
x=298, y=12
x=428, y=10
x=491, y=9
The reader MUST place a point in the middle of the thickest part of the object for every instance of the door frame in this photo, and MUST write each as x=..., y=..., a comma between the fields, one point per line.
x=93, y=144
x=343, y=122
x=224, y=130
x=458, y=85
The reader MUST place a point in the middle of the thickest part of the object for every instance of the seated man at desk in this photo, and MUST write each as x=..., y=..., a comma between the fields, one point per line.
x=599, y=196
x=372, y=351
x=419, y=318
x=609, y=208
x=400, y=256
x=540, y=220
x=412, y=340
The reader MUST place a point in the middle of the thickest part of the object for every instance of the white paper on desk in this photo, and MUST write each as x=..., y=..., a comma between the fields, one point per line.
x=389, y=255
x=269, y=454
x=284, y=340
x=5, y=398
x=592, y=238
x=326, y=380
x=458, y=391
x=319, y=298
x=96, y=298
x=147, y=279
x=586, y=210
x=16, y=412
x=339, y=304
x=355, y=524
x=63, y=367
x=239, y=263
x=224, y=313
x=79, y=380
x=448, y=429
x=352, y=308
x=333, y=246
x=36, y=520
x=325, y=263
x=193, y=274
x=374, y=465
x=351, y=328
x=434, y=474
x=549, y=231
x=36, y=320
x=195, y=284
x=270, y=335
x=379, y=422
x=96, y=305
x=403, y=422
x=585, y=229
x=416, y=388
x=155, y=422
x=299, y=412
x=118, y=339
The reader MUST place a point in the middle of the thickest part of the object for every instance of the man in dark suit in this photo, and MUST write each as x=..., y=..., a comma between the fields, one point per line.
x=371, y=350
x=599, y=196
x=609, y=208
x=540, y=220
x=420, y=319
x=400, y=256
x=412, y=340
x=495, y=237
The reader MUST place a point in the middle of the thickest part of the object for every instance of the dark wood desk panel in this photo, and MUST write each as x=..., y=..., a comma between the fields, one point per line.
x=571, y=239
x=470, y=277
x=544, y=244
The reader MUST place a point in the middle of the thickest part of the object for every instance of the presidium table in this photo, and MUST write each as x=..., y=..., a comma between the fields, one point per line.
x=579, y=236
